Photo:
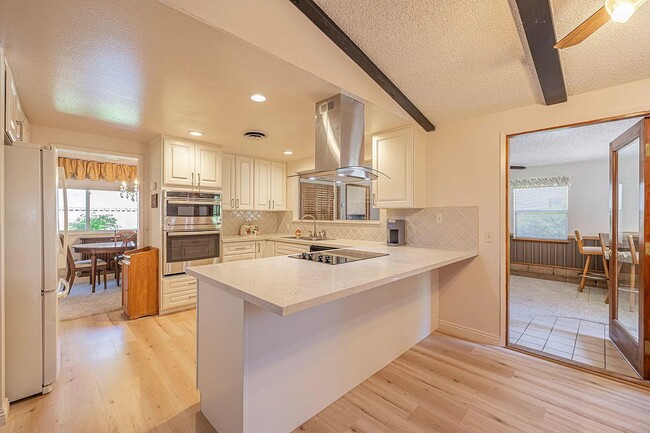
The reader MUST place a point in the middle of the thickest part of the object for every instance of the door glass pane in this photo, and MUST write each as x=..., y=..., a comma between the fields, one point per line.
x=628, y=237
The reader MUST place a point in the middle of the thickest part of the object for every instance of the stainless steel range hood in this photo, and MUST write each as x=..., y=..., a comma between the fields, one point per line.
x=339, y=142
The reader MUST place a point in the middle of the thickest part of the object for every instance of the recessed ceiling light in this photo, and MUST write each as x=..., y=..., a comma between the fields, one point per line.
x=288, y=152
x=257, y=97
x=195, y=133
x=312, y=178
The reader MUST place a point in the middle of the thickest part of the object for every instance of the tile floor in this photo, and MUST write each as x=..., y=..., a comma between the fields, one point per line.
x=574, y=339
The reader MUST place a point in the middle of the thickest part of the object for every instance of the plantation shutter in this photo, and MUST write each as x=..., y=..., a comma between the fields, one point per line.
x=317, y=200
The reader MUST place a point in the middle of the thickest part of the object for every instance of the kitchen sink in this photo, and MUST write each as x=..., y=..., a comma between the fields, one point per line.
x=308, y=238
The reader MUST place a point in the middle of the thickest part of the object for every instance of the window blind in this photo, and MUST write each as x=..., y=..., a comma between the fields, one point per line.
x=541, y=213
x=317, y=200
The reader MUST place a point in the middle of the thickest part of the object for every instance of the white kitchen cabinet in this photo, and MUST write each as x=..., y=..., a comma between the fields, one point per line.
x=234, y=248
x=401, y=155
x=228, y=180
x=262, y=191
x=177, y=292
x=270, y=185
x=286, y=248
x=191, y=164
x=238, y=257
x=244, y=175
x=16, y=124
x=278, y=186
x=208, y=166
x=238, y=175
x=264, y=249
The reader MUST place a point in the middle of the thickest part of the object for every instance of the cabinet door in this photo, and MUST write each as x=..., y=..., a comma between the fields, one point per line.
x=228, y=181
x=243, y=183
x=392, y=154
x=178, y=162
x=260, y=249
x=278, y=186
x=208, y=166
x=262, y=185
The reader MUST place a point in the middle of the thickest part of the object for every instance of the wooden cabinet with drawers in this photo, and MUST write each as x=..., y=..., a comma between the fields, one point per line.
x=140, y=282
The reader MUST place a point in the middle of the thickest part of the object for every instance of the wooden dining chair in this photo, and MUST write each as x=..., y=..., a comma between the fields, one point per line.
x=604, y=246
x=126, y=237
x=81, y=266
x=633, y=267
x=589, y=252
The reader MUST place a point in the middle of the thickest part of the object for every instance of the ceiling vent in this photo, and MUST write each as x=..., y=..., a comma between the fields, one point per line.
x=255, y=135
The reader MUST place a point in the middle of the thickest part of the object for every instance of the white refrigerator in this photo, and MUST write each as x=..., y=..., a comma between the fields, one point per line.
x=34, y=257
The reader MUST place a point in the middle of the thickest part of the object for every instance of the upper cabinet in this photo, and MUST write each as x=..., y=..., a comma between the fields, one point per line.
x=191, y=164
x=237, y=182
x=270, y=185
x=17, y=126
x=401, y=156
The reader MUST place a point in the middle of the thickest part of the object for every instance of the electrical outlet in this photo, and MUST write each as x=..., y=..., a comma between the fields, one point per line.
x=438, y=218
x=489, y=237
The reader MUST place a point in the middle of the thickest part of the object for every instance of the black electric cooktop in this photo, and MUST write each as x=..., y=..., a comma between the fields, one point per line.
x=337, y=257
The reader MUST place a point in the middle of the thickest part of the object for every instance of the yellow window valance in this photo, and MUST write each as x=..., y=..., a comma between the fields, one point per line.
x=94, y=170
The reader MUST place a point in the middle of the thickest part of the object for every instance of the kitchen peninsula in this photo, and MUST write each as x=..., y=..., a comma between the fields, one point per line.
x=279, y=339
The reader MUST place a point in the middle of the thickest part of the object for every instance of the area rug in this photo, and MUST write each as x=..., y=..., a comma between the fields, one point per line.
x=81, y=302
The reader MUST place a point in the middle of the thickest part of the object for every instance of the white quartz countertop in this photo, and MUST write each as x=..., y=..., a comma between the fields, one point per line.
x=280, y=237
x=284, y=285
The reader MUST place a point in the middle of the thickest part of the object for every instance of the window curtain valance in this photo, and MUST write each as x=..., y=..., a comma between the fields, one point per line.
x=540, y=182
x=81, y=169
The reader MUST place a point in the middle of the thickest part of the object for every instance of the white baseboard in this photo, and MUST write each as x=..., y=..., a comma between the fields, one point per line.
x=4, y=411
x=467, y=333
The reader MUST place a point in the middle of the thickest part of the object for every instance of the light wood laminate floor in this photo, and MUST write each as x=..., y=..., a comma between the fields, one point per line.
x=138, y=376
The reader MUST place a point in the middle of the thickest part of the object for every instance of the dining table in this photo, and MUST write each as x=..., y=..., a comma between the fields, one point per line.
x=95, y=248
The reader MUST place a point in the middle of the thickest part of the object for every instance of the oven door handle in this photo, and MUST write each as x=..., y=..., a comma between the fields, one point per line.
x=211, y=232
x=209, y=202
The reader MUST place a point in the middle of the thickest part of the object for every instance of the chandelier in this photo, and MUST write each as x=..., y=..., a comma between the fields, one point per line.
x=129, y=191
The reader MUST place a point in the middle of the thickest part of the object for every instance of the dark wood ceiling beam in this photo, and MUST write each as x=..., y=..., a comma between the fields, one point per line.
x=537, y=22
x=317, y=16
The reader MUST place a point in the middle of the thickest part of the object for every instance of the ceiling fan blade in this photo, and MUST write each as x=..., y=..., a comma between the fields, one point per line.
x=584, y=30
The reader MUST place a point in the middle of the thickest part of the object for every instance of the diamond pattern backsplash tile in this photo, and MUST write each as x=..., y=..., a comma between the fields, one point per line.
x=233, y=220
x=458, y=230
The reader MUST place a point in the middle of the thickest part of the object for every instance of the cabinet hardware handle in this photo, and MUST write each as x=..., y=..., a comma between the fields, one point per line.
x=273, y=204
x=21, y=125
x=232, y=203
x=258, y=247
x=237, y=204
x=192, y=178
x=199, y=176
x=374, y=198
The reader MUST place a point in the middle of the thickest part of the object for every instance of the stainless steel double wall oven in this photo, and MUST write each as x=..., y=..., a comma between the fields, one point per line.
x=192, y=230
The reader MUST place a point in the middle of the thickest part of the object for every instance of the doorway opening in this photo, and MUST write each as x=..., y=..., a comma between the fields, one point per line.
x=98, y=220
x=575, y=224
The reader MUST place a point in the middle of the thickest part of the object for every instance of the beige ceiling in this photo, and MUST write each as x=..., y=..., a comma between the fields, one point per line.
x=136, y=69
x=457, y=59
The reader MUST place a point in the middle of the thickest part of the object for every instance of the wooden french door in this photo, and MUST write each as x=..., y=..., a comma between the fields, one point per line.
x=629, y=261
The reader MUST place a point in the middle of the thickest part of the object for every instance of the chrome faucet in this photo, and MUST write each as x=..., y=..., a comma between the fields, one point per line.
x=312, y=234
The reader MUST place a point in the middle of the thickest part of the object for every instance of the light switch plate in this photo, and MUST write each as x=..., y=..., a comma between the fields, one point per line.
x=489, y=237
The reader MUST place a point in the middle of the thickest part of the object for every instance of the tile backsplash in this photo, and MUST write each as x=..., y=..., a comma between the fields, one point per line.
x=458, y=230
x=268, y=222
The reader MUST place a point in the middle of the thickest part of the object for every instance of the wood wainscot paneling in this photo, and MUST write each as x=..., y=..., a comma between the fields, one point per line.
x=557, y=260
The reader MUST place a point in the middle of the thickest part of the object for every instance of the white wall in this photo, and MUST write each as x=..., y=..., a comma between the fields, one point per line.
x=588, y=193
x=466, y=165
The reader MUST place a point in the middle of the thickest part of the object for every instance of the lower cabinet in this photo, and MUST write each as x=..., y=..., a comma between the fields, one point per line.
x=264, y=249
x=286, y=248
x=178, y=291
x=238, y=257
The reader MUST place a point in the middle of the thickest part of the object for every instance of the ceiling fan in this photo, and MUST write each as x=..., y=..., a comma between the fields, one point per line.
x=616, y=10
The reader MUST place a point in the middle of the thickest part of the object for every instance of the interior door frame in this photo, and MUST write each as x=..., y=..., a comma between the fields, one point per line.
x=506, y=242
x=634, y=351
